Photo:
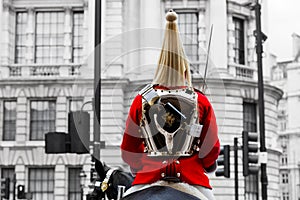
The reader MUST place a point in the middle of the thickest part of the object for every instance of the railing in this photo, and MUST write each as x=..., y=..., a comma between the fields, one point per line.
x=242, y=72
x=197, y=68
x=39, y=70
x=44, y=71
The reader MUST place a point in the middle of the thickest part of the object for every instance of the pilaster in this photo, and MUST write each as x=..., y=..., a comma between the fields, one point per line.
x=61, y=114
x=130, y=41
x=5, y=46
x=68, y=36
x=21, y=121
x=218, y=18
x=20, y=171
x=202, y=35
x=151, y=37
x=86, y=39
x=60, y=182
x=1, y=27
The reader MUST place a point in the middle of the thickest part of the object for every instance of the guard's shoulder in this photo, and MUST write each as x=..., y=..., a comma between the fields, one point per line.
x=202, y=97
x=198, y=91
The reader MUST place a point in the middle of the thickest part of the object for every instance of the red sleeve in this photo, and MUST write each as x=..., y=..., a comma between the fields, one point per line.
x=132, y=146
x=209, y=145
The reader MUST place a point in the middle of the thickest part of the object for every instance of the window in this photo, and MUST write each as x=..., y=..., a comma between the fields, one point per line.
x=49, y=45
x=41, y=183
x=77, y=37
x=49, y=36
x=284, y=155
x=20, y=51
x=42, y=118
x=277, y=73
x=285, y=196
x=9, y=172
x=249, y=117
x=9, y=120
x=74, y=189
x=282, y=123
x=285, y=178
x=251, y=187
x=188, y=28
x=239, y=45
x=284, y=159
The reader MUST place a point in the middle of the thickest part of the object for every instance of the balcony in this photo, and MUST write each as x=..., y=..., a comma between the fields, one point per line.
x=39, y=71
x=242, y=72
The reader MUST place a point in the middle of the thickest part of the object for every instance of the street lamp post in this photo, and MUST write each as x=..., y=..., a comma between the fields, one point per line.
x=259, y=50
x=260, y=37
x=97, y=80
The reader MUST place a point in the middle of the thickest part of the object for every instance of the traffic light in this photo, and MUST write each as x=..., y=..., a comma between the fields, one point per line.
x=76, y=141
x=224, y=160
x=250, y=156
x=5, y=188
x=56, y=142
x=21, y=192
x=79, y=130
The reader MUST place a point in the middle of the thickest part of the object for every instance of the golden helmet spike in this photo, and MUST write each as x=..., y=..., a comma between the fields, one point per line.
x=173, y=68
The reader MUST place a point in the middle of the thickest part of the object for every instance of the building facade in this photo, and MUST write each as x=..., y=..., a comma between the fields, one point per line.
x=47, y=71
x=286, y=76
x=43, y=45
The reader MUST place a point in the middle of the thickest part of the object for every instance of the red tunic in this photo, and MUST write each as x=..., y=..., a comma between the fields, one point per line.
x=189, y=169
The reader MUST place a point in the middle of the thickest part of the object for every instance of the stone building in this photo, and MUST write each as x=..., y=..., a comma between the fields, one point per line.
x=286, y=77
x=47, y=70
x=43, y=46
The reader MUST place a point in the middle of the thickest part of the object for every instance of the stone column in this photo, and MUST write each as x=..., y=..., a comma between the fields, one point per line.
x=68, y=36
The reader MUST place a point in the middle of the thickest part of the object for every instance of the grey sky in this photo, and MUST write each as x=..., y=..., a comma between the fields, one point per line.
x=284, y=20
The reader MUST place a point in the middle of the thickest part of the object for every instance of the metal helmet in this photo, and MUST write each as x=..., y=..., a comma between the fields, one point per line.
x=173, y=68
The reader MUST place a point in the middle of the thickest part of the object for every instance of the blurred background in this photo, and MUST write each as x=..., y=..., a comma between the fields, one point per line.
x=47, y=68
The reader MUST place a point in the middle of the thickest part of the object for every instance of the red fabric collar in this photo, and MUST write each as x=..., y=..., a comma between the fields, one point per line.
x=169, y=88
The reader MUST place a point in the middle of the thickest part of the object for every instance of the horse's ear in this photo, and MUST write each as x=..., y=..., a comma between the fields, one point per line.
x=106, y=168
x=100, y=168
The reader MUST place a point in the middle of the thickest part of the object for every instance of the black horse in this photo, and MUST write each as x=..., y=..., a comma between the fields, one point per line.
x=118, y=177
x=108, y=185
